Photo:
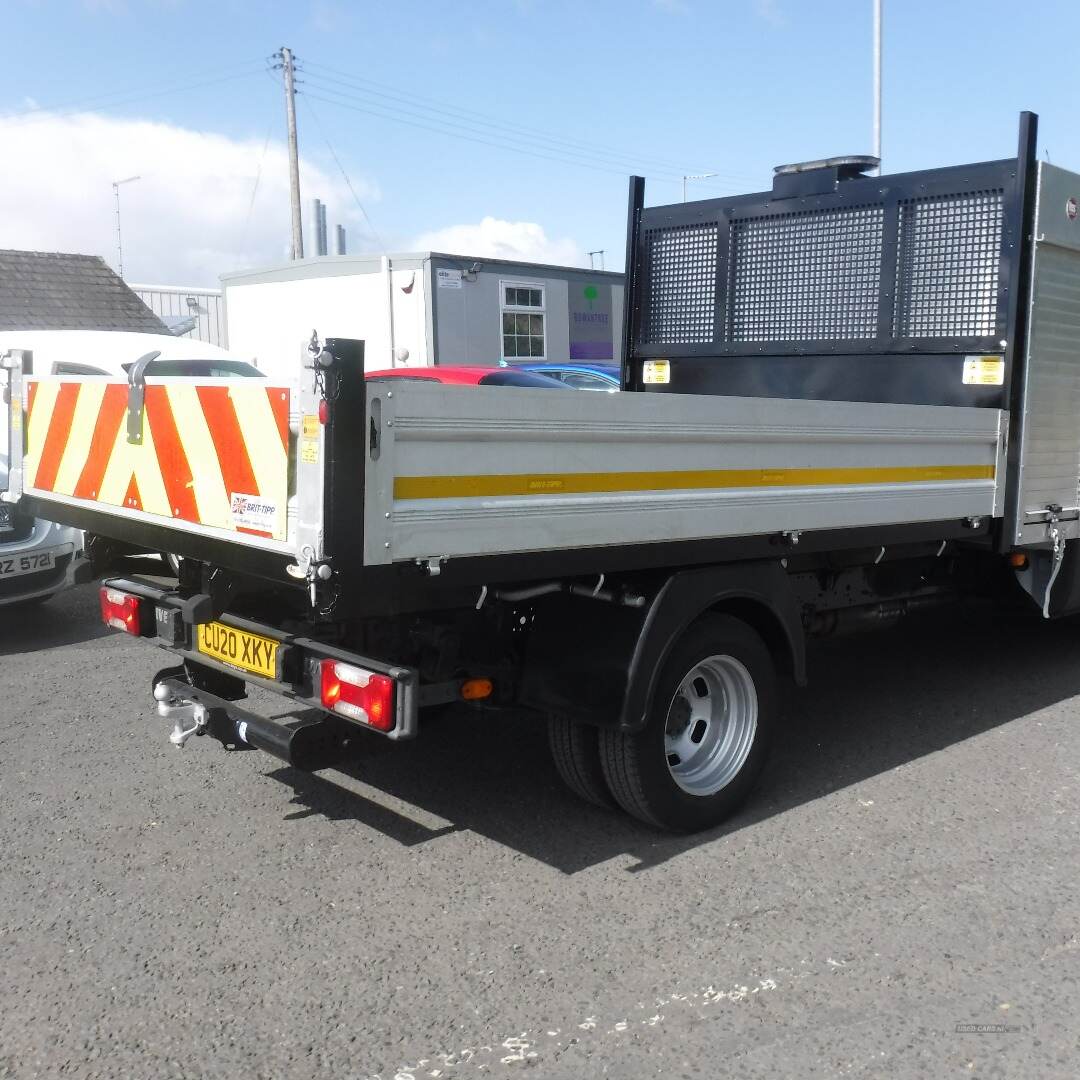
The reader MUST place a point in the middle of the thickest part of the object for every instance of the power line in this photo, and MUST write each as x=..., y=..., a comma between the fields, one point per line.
x=454, y=127
x=473, y=119
x=326, y=138
x=255, y=187
x=380, y=89
x=397, y=118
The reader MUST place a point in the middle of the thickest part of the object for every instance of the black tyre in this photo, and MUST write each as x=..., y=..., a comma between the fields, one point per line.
x=707, y=734
x=575, y=749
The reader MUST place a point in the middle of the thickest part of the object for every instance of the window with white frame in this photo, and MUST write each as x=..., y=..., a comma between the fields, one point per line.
x=522, y=320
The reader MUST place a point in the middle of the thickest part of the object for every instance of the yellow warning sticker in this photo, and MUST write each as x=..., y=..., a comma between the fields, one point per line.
x=656, y=372
x=984, y=371
x=309, y=451
x=310, y=427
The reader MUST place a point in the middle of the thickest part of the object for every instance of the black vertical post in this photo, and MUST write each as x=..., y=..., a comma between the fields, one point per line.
x=632, y=287
x=1019, y=270
x=346, y=454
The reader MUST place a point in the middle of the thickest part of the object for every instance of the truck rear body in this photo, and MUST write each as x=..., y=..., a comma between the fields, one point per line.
x=844, y=399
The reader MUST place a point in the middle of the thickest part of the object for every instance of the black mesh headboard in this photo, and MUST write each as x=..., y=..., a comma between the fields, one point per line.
x=889, y=263
x=913, y=265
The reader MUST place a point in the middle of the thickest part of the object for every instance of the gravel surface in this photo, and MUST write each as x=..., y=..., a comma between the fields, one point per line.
x=445, y=909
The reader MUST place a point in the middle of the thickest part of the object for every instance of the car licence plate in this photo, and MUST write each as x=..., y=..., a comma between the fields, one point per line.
x=238, y=648
x=31, y=563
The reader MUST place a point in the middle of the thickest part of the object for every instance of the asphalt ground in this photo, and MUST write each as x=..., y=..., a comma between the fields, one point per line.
x=445, y=909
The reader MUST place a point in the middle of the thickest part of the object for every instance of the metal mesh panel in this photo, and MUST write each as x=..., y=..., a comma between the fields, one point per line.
x=805, y=275
x=947, y=265
x=681, y=290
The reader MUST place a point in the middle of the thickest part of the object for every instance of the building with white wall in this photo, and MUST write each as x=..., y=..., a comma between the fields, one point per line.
x=424, y=308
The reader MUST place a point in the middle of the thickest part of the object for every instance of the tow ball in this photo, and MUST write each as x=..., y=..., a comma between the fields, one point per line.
x=188, y=717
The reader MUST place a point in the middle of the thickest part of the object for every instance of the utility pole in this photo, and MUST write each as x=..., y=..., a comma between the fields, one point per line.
x=877, y=81
x=119, y=242
x=294, y=163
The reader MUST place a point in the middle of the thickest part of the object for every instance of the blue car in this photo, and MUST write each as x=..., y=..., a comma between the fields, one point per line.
x=579, y=376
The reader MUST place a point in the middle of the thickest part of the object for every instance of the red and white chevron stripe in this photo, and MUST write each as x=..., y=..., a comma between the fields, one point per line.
x=215, y=455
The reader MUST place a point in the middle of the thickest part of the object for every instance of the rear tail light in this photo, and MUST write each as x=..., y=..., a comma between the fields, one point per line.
x=363, y=696
x=121, y=611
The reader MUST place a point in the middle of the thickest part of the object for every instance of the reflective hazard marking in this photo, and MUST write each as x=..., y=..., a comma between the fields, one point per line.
x=204, y=447
x=488, y=486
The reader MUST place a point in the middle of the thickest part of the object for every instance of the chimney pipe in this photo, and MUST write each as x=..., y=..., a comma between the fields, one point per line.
x=318, y=227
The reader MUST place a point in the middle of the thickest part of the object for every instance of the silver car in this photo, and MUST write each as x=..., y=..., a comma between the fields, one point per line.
x=37, y=558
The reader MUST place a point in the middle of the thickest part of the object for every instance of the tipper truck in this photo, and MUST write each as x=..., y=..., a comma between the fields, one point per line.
x=845, y=399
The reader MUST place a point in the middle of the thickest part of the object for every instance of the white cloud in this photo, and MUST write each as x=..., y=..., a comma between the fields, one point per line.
x=522, y=241
x=185, y=222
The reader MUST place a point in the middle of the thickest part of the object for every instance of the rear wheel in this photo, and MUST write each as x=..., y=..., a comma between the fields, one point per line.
x=575, y=749
x=707, y=734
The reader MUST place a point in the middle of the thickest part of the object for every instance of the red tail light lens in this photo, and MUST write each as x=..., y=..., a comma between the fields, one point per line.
x=363, y=696
x=121, y=611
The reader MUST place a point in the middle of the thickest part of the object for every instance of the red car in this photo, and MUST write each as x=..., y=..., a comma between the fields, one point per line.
x=460, y=375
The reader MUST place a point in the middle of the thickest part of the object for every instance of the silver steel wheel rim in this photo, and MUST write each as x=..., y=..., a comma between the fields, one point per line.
x=710, y=725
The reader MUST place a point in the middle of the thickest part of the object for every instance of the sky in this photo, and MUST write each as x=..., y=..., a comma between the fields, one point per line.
x=483, y=127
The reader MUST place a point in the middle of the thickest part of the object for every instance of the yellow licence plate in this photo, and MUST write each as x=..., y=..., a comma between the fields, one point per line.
x=238, y=648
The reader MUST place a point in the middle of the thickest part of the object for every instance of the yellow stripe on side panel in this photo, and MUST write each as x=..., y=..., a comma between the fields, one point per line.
x=40, y=418
x=490, y=486
x=81, y=435
x=211, y=498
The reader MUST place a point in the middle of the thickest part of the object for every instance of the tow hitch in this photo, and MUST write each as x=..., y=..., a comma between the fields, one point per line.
x=188, y=717
x=306, y=744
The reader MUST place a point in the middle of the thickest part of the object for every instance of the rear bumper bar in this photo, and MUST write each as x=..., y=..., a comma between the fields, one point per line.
x=305, y=744
x=298, y=670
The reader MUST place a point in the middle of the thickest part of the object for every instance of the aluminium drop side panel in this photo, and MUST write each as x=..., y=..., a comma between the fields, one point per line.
x=1049, y=428
x=463, y=471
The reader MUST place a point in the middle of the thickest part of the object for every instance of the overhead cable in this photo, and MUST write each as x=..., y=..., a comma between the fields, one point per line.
x=326, y=138
x=588, y=148
x=500, y=145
